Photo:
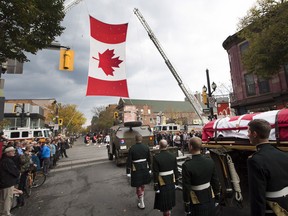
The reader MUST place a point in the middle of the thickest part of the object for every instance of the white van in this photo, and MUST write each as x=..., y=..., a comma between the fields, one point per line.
x=167, y=128
x=19, y=134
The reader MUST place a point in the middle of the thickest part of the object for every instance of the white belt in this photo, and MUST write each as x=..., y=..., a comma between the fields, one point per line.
x=166, y=173
x=200, y=187
x=138, y=161
x=277, y=194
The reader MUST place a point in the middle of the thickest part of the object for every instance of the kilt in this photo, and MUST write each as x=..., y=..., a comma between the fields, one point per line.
x=205, y=209
x=165, y=200
x=140, y=176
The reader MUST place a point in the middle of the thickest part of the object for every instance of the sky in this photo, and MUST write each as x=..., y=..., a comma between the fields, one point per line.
x=190, y=32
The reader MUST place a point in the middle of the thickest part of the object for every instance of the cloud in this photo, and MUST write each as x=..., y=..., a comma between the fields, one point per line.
x=190, y=32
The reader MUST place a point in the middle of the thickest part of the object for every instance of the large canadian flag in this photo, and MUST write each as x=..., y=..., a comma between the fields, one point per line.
x=107, y=76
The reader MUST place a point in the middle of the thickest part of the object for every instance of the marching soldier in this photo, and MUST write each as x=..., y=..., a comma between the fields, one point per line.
x=166, y=176
x=138, y=167
x=200, y=182
x=267, y=173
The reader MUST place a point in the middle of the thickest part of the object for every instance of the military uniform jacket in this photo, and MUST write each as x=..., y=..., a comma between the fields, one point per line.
x=163, y=162
x=267, y=172
x=139, y=170
x=197, y=171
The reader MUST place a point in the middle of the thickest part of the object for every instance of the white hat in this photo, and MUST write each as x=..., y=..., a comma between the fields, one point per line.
x=9, y=149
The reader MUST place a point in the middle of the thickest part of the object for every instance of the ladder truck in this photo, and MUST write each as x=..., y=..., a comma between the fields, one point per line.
x=190, y=97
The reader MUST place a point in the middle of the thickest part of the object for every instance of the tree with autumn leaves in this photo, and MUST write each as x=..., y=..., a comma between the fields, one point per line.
x=265, y=27
x=103, y=118
x=73, y=120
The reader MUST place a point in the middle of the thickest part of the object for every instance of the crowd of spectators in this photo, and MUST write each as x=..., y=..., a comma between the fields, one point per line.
x=18, y=158
x=179, y=139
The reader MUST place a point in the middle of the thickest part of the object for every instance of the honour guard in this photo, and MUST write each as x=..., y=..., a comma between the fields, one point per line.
x=267, y=173
x=200, y=182
x=166, y=177
x=138, y=167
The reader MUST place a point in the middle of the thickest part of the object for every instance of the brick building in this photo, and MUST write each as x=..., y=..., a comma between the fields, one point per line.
x=180, y=112
x=250, y=92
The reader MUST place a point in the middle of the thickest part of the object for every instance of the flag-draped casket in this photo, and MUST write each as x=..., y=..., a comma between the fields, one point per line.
x=237, y=126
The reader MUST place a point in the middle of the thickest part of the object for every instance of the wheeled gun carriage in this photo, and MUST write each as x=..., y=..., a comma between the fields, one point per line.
x=227, y=142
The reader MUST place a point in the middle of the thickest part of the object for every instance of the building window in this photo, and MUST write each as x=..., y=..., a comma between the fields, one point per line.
x=250, y=84
x=263, y=85
x=151, y=120
x=243, y=47
x=149, y=111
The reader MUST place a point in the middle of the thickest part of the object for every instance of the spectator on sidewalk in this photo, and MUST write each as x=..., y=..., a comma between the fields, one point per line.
x=25, y=165
x=45, y=156
x=63, y=146
x=9, y=175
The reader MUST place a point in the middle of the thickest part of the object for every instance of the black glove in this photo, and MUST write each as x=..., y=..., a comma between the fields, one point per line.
x=187, y=208
x=217, y=198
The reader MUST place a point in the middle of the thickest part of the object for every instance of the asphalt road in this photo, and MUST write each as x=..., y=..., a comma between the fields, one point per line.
x=87, y=183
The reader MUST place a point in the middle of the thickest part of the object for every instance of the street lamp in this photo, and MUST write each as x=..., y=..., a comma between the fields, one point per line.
x=210, y=98
x=22, y=113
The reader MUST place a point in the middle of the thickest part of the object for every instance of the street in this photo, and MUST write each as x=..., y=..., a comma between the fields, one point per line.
x=92, y=186
x=98, y=189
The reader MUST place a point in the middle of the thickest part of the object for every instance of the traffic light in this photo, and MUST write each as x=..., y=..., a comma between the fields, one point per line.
x=66, y=61
x=116, y=115
x=15, y=108
x=204, y=97
x=60, y=121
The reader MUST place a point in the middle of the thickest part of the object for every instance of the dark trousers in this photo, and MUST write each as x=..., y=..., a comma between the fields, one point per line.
x=46, y=163
x=63, y=152
x=22, y=186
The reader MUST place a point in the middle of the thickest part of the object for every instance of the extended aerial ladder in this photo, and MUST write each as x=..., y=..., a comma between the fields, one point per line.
x=70, y=5
x=191, y=98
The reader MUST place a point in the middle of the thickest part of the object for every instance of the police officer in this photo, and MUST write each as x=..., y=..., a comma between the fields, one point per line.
x=200, y=182
x=166, y=177
x=267, y=173
x=138, y=167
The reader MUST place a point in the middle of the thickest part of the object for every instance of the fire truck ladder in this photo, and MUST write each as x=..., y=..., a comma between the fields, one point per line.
x=191, y=98
x=70, y=5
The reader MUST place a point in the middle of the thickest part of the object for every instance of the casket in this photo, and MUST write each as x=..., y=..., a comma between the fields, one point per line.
x=237, y=126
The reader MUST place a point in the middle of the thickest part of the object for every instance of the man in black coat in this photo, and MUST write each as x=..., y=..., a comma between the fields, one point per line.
x=200, y=182
x=138, y=167
x=267, y=173
x=9, y=175
x=166, y=177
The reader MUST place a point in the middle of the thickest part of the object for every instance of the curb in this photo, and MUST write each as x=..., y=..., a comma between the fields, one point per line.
x=78, y=162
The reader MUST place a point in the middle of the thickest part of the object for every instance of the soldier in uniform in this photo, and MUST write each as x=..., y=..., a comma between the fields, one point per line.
x=267, y=173
x=138, y=167
x=166, y=177
x=200, y=182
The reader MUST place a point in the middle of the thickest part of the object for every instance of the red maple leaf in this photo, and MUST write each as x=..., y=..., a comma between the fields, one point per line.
x=107, y=62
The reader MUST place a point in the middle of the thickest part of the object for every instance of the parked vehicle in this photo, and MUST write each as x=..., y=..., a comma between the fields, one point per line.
x=40, y=134
x=173, y=128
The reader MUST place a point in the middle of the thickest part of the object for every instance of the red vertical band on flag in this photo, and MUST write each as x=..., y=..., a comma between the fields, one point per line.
x=108, y=33
x=102, y=87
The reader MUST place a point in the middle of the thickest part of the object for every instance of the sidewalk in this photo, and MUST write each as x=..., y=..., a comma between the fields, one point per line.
x=80, y=155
